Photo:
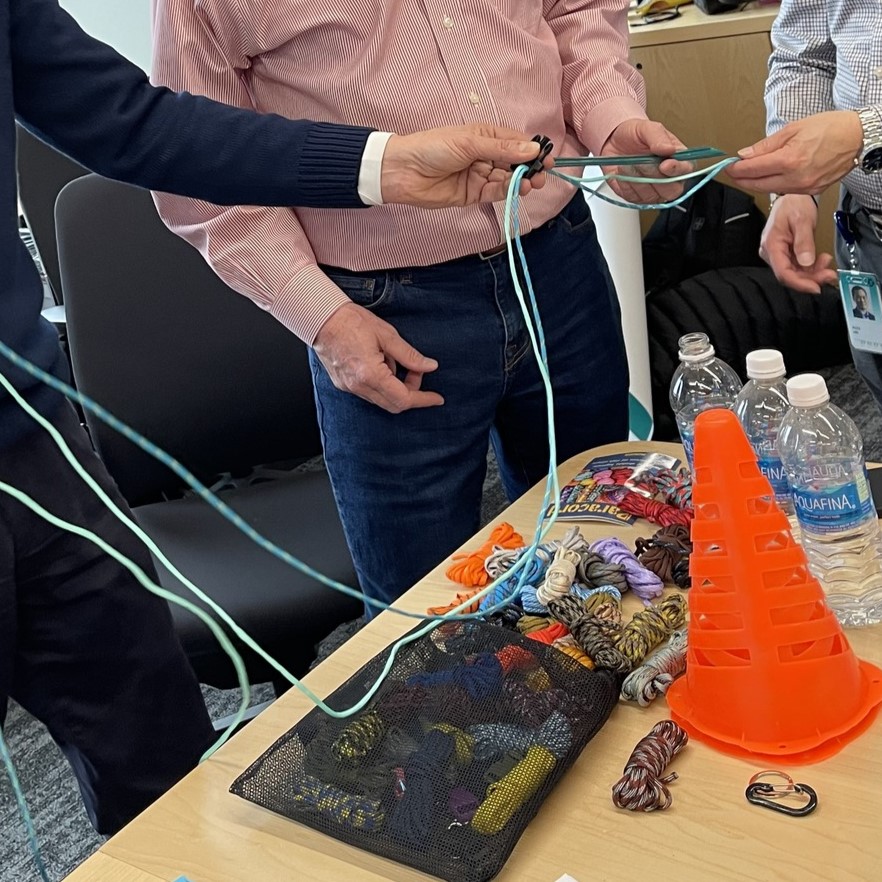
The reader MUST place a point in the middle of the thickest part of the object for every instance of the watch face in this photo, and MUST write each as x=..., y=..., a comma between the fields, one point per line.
x=872, y=160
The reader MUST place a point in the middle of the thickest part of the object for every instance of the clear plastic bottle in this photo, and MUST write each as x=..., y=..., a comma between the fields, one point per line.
x=761, y=406
x=823, y=453
x=702, y=381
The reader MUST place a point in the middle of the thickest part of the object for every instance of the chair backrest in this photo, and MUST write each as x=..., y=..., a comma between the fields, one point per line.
x=167, y=347
x=42, y=172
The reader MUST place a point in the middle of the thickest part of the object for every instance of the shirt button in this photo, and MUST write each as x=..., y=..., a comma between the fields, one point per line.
x=474, y=97
x=447, y=21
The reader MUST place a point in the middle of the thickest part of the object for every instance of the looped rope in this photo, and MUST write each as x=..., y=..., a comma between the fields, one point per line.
x=642, y=787
x=655, y=675
x=595, y=572
x=588, y=633
x=650, y=626
x=644, y=583
x=667, y=554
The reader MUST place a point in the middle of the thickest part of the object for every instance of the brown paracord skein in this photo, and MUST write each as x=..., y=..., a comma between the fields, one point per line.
x=588, y=632
x=667, y=554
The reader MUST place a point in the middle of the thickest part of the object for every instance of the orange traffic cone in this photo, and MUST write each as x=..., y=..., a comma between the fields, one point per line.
x=769, y=672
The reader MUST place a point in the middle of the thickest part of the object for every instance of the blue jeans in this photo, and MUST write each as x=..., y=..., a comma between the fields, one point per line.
x=869, y=259
x=409, y=485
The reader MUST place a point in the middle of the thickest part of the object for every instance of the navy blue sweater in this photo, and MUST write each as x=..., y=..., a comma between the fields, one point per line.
x=92, y=104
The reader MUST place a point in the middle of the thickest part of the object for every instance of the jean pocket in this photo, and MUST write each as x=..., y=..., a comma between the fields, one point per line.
x=576, y=217
x=370, y=291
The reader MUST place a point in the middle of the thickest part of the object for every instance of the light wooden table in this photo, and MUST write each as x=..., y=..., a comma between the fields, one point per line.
x=711, y=833
x=705, y=76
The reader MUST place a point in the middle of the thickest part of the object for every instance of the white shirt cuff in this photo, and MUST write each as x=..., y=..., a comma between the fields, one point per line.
x=370, y=177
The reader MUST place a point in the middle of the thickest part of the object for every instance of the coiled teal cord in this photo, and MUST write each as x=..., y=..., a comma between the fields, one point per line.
x=551, y=496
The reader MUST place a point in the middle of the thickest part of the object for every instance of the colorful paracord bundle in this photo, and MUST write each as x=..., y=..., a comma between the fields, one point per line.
x=643, y=786
x=667, y=554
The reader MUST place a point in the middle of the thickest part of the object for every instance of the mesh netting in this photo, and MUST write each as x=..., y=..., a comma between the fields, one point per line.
x=451, y=759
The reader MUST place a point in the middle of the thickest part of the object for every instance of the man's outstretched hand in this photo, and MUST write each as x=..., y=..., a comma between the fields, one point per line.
x=639, y=136
x=805, y=156
x=456, y=166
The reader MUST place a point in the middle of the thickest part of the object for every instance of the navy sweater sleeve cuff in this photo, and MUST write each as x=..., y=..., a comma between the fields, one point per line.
x=330, y=163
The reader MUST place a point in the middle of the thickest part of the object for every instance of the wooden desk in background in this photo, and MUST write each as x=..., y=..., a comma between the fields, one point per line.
x=705, y=76
x=710, y=834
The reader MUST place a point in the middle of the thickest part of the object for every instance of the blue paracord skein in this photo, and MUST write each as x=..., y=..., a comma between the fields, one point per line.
x=533, y=572
x=482, y=678
x=492, y=740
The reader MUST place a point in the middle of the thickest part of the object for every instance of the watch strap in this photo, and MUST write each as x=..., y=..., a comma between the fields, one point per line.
x=871, y=123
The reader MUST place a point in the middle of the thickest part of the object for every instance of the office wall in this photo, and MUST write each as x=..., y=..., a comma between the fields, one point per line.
x=124, y=24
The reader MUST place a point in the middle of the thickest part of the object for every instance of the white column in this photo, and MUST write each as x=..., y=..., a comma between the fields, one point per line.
x=618, y=231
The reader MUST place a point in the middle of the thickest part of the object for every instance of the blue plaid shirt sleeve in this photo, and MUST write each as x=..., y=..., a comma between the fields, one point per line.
x=802, y=67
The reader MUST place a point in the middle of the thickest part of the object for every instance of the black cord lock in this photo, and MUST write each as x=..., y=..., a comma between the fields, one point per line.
x=536, y=165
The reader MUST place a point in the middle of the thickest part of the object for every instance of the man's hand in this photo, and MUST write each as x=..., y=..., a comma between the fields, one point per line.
x=637, y=136
x=788, y=245
x=456, y=166
x=361, y=353
x=806, y=156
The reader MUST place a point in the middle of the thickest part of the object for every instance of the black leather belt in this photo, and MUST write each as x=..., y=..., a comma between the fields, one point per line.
x=493, y=252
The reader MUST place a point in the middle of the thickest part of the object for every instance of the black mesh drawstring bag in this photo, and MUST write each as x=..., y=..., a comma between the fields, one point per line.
x=449, y=761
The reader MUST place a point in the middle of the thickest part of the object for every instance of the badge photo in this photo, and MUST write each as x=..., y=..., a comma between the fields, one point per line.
x=863, y=309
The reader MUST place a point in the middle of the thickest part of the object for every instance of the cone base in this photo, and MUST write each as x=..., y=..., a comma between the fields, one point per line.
x=803, y=751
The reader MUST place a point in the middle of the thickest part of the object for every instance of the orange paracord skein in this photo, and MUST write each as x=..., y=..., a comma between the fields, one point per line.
x=461, y=598
x=468, y=568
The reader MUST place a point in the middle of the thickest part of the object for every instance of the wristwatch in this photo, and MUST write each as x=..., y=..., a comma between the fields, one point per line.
x=870, y=157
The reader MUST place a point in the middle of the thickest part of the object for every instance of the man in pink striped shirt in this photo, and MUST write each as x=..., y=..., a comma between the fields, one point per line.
x=420, y=353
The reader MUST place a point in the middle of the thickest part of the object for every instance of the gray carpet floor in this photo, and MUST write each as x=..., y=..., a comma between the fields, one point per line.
x=64, y=832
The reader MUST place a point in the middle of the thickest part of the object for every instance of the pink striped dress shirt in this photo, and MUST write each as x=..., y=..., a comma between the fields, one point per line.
x=558, y=67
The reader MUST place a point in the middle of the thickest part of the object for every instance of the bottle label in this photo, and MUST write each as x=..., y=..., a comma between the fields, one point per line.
x=773, y=470
x=834, y=509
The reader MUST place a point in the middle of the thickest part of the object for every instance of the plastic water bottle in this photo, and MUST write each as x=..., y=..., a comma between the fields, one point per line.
x=761, y=406
x=701, y=381
x=823, y=453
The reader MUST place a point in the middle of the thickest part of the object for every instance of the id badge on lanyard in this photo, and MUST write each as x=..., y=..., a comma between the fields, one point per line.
x=859, y=292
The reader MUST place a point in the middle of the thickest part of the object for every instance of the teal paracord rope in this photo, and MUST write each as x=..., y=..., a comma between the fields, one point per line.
x=512, y=234
x=191, y=480
x=584, y=184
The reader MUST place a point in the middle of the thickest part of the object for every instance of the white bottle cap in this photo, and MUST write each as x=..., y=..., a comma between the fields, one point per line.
x=807, y=390
x=765, y=364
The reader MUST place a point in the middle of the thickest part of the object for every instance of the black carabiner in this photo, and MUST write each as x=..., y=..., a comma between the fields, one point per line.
x=768, y=796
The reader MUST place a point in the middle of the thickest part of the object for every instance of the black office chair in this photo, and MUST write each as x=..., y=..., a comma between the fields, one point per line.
x=161, y=342
x=42, y=172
